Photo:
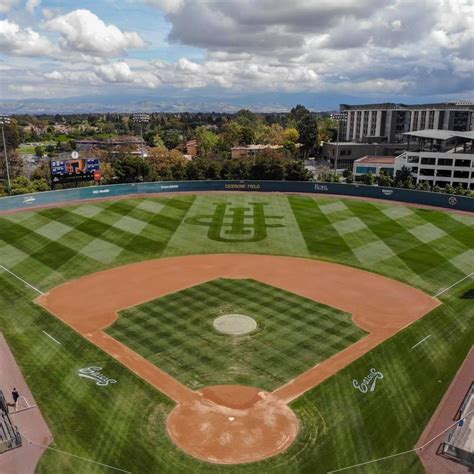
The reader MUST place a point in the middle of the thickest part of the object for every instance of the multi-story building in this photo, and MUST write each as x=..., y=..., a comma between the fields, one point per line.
x=345, y=153
x=388, y=122
x=450, y=163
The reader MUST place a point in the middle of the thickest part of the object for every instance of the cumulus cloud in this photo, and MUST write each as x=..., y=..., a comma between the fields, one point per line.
x=376, y=46
x=23, y=42
x=364, y=47
x=84, y=32
x=117, y=72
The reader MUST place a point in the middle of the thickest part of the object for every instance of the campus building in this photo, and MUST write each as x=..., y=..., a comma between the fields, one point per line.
x=447, y=158
x=252, y=150
x=374, y=165
x=346, y=153
x=388, y=122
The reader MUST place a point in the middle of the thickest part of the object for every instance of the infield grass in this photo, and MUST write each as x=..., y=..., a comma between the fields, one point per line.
x=176, y=333
x=124, y=424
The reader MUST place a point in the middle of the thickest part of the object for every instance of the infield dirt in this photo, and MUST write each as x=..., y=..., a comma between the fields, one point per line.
x=207, y=424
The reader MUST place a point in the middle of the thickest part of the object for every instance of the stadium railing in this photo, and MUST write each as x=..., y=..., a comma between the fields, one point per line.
x=441, y=200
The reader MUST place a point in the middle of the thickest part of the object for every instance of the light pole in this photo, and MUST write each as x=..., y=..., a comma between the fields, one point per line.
x=339, y=119
x=5, y=121
x=141, y=119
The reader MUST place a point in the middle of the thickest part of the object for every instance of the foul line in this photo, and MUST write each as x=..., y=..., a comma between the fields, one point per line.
x=423, y=340
x=21, y=279
x=51, y=337
x=74, y=455
x=452, y=286
x=414, y=450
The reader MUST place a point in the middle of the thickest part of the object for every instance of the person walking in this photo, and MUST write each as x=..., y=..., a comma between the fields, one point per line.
x=15, y=396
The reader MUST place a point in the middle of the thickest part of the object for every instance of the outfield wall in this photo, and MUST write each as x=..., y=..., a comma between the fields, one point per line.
x=460, y=203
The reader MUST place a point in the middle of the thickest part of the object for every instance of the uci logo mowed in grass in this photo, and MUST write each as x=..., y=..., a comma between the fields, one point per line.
x=237, y=223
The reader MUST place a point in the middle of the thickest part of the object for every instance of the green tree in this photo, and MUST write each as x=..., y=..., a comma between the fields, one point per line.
x=369, y=179
x=39, y=151
x=449, y=189
x=295, y=171
x=402, y=175
x=13, y=135
x=307, y=126
x=268, y=166
x=207, y=140
x=171, y=138
x=349, y=176
x=231, y=133
x=291, y=134
x=384, y=179
x=130, y=169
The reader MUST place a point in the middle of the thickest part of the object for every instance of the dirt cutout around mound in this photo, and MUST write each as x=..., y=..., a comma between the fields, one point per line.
x=236, y=424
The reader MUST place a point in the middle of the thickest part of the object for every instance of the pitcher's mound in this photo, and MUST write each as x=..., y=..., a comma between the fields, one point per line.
x=235, y=324
x=232, y=424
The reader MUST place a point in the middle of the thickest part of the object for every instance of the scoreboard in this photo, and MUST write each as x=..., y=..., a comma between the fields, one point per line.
x=71, y=170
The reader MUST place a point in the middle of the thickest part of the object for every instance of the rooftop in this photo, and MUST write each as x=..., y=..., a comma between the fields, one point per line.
x=257, y=147
x=384, y=160
x=460, y=104
x=441, y=134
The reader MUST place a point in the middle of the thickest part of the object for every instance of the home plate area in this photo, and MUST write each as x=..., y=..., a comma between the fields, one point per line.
x=232, y=424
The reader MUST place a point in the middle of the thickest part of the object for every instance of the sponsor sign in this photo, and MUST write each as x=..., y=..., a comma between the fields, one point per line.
x=94, y=373
x=452, y=201
x=321, y=187
x=369, y=382
x=387, y=192
x=101, y=191
x=28, y=200
x=169, y=186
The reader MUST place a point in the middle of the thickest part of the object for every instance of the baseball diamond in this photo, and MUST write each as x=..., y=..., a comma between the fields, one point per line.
x=243, y=332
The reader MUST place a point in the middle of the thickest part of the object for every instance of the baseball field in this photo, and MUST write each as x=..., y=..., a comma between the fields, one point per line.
x=360, y=322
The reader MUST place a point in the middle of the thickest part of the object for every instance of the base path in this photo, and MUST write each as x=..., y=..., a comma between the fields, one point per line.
x=363, y=294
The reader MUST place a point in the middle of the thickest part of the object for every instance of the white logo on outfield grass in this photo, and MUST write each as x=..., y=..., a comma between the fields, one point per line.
x=368, y=383
x=93, y=373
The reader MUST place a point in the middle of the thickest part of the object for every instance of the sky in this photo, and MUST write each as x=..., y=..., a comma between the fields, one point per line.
x=376, y=50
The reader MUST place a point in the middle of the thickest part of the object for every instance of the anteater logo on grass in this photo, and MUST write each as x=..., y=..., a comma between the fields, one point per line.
x=368, y=383
x=236, y=224
x=93, y=373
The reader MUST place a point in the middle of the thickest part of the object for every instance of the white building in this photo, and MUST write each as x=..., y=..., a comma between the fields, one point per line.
x=439, y=169
x=388, y=122
x=449, y=163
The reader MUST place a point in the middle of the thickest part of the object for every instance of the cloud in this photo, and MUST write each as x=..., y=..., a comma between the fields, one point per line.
x=7, y=5
x=82, y=31
x=167, y=6
x=358, y=47
x=54, y=76
x=23, y=42
x=117, y=72
x=31, y=5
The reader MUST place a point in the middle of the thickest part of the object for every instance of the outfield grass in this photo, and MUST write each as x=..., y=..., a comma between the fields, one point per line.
x=124, y=424
x=176, y=333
